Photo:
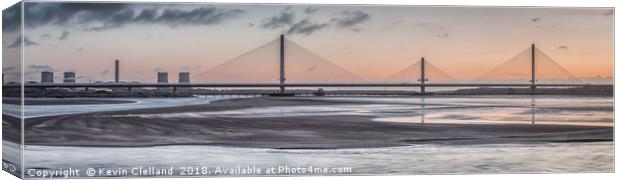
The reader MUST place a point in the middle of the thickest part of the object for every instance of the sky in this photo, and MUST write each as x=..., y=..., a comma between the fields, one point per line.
x=372, y=42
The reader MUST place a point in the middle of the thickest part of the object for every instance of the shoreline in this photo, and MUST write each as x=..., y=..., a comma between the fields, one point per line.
x=116, y=129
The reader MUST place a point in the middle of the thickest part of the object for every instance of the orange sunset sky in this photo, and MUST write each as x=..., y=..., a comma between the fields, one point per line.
x=372, y=42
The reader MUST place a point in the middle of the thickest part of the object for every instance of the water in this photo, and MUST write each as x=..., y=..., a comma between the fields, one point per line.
x=413, y=159
x=480, y=109
x=418, y=159
x=138, y=103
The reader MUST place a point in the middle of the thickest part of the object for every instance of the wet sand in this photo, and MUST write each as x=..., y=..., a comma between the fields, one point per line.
x=307, y=132
x=50, y=101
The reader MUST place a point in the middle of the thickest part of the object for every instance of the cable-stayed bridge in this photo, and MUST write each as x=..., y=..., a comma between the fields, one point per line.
x=281, y=63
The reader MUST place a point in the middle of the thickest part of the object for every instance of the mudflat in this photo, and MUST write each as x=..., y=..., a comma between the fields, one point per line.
x=68, y=101
x=125, y=129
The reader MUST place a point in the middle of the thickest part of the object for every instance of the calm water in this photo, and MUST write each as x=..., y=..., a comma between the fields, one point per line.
x=415, y=159
x=478, y=109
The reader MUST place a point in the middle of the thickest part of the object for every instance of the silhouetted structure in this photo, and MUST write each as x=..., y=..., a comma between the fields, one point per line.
x=69, y=77
x=47, y=77
x=422, y=77
x=282, y=78
x=162, y=77
x=116, y=71
x=184, y=78
x=533, y=81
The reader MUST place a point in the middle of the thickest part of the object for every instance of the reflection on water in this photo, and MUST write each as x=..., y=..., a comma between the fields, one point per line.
x=597, y=111
x=533, y=109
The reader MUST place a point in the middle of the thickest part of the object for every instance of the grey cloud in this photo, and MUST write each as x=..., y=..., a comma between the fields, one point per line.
x=431, y=27
x=536, y=19
x=312, y=68
x=310, y=10
x=443, y=36
x=198, y=16
x=563, y=47
x=41, y=68
x=18, y=42
x=188, y=68
x=64, y=35
x=80, y=50
x=11, y=18
x=12, y=68
x=287, y=21
x=104, y=72
x=159, y=69
x=33, y=71
x=278, y=21
x=45, y=36
x=104, y=16
x=351, y=18
x=305, y=27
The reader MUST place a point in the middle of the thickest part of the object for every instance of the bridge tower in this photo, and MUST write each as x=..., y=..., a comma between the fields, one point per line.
x=533, y=80
x=423, y=78
x=282, y=78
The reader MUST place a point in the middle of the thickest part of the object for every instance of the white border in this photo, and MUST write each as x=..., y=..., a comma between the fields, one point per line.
x=555, y=3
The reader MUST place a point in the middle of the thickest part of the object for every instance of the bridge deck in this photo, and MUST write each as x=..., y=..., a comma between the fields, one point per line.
x=251, y=85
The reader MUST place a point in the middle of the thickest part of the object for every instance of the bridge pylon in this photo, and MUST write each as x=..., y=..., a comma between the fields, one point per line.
x=423, y=78
x=282, y=77
x=533, y=80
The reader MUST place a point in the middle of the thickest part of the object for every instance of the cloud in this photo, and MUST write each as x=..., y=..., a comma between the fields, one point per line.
x=80, y=50
x=563, y=47
x=305, y=27
x=280, y=20
x=312, y=68
x=11, y=18
x=12, y=68
x=536, y=19
x=45, y=36
x=18, y=43
x=104, y=72
x=351, y=19
x=287, y=21
x=64, y=35
x=159, y=69
x=443, y=36
x=198, y=16
x=41, y=68
x=104, y=16
x=188, y=68
x=310, y=10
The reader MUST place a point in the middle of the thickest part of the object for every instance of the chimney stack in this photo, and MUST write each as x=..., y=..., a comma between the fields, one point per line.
x=184, y=78
x=162, y=77
x=47, y=77
x=69, y=77
x=116, y=71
